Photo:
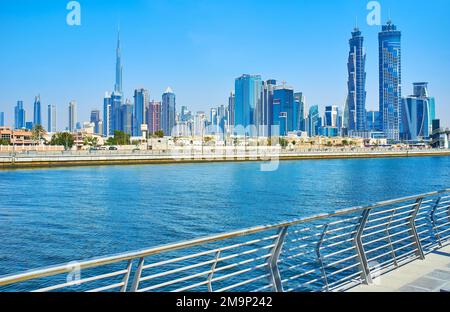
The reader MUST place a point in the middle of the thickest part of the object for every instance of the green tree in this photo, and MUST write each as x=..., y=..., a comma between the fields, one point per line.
x=159, y=134
x=63, y=139
x=283, y=142
x=91, y=141
x=4, y=142
x=38, y=132
x=120, y=138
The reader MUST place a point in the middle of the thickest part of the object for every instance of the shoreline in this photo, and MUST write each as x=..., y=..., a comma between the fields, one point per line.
x=54, y=161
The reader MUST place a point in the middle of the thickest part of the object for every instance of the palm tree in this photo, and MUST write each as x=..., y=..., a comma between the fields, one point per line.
x=38, y=132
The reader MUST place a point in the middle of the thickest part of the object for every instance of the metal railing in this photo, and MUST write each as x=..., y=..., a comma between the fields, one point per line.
x=329, y=252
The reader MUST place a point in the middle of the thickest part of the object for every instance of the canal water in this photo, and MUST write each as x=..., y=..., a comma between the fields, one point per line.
x=52, y=216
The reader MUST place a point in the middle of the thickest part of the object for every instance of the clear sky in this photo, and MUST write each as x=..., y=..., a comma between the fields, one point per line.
x=198, y=47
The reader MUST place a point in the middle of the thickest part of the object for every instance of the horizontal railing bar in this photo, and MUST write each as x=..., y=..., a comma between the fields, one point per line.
x=113, y=286
x=387, y=223
x=344, y=269
x=384, y=230
x=338, y=252
x=337, y=243
x=385, y=237
x=81, y=281
x=305, y=263
x=339, y=236
x=204, y=253
x=392, y=251
x=243, y=283
x=442, y=225
x=340, y=261
x=196, y=265
x=389, y=217
x=389, y=244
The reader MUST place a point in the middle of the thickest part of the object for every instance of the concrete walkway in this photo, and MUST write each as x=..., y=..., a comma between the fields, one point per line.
x=429, y=275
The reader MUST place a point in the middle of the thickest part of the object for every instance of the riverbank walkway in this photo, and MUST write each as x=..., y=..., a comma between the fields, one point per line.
x=429, y=275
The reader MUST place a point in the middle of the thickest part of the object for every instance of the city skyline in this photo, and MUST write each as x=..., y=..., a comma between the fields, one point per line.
x=214, y=97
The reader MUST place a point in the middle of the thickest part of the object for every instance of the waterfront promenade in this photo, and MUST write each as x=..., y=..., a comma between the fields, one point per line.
x=135, y=157
x=429, y=275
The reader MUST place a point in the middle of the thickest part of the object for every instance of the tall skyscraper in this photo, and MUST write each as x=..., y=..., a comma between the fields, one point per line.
x=265, y=120
x=314, y=121
x=284, y=110
x=37, y=116
x=373, y=121
x=72, y=116
x=418, y=114
x=331, y=116
x=390, y=80
x=19, y=116
x=2, y=119
x=126, y=118
x=107, y=113
x=95, y=119
x=154, y=117
x=356, y=113
x=118, y=85
x=116, y=103
x=247, y=100
x=231, y=109
x=300, y=102
x=141, y=99
x=51, y=118
x=168, y=111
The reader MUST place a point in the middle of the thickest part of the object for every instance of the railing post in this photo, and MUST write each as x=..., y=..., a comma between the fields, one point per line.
x=363, y=263
x=320, y=257
x=433, y=221
x=213, y=269
x=137, y=276
x=413, y=230
x=275, y=276
x=126, y=277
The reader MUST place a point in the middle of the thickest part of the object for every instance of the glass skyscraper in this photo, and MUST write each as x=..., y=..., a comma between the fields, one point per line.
x=154, y=117
x=118, y=85
x=284, y=110
x=107, y=106
x=168, y=111
x=72, y=116
x=265, y=118
x=314, y=121
x=51, y=118
x=246, y=103
x=95, y=119
x=126, y=119
x=37, y=116
x=417, y=114
x=301, y=110
x=390, y=71
x=2, y=119
x=19, y=116
x=356, y=101
x=141, y=99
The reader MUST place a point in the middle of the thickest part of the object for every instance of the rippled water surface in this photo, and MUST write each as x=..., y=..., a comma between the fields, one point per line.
x=53, y=216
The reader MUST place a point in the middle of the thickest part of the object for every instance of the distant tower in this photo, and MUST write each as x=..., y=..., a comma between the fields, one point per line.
x=51, y=118
x=118, y=85
x=356, y=105
x=19, y=116
x=168, y=111
x=72, y=116
x=37, y=116
x=390, y=80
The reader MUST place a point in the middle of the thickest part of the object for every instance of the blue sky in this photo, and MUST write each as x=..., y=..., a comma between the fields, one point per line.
x=198, y=47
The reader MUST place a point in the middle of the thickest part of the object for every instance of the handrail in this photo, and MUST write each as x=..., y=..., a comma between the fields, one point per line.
x=141, y=254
